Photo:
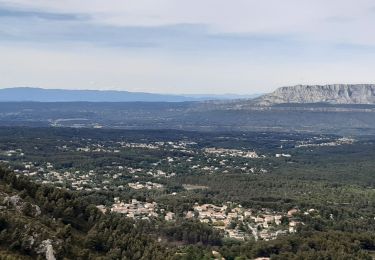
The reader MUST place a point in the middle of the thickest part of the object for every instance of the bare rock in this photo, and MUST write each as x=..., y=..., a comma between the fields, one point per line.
x=331, y=94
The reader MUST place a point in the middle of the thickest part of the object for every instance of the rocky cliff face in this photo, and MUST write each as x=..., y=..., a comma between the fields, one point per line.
x=332, y=94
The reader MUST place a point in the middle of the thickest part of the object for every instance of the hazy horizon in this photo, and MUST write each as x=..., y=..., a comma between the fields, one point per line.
x=125, y=90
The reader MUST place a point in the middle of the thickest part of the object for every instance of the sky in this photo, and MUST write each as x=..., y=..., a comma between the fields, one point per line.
x=186, y=46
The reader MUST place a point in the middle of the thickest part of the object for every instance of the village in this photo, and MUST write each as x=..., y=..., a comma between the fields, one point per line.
x=232, y=152
x=232, y=219
x=147, y=185
x=320, y=142
x=242, y=223
x=116, y=175
x=138, y=210
x=181, y=158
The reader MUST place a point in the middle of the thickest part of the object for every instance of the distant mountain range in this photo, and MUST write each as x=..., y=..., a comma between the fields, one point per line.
x=64, y=95
x=336, y=94
x=330, y=94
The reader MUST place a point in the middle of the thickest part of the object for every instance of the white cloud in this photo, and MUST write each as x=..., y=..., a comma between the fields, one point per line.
x=313, y=20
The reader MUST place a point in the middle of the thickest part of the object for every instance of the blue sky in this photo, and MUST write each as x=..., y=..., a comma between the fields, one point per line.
x=178, y=46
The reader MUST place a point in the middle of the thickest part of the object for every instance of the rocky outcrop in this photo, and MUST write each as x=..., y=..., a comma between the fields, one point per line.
x=47, y=248
x=18, y=204
x=332, y=94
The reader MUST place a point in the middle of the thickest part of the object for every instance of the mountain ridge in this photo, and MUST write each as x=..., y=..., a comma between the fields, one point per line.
x=67, y=95
x=331, y=94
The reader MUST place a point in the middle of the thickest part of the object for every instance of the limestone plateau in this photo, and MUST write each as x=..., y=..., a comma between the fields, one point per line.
x=331, y=94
